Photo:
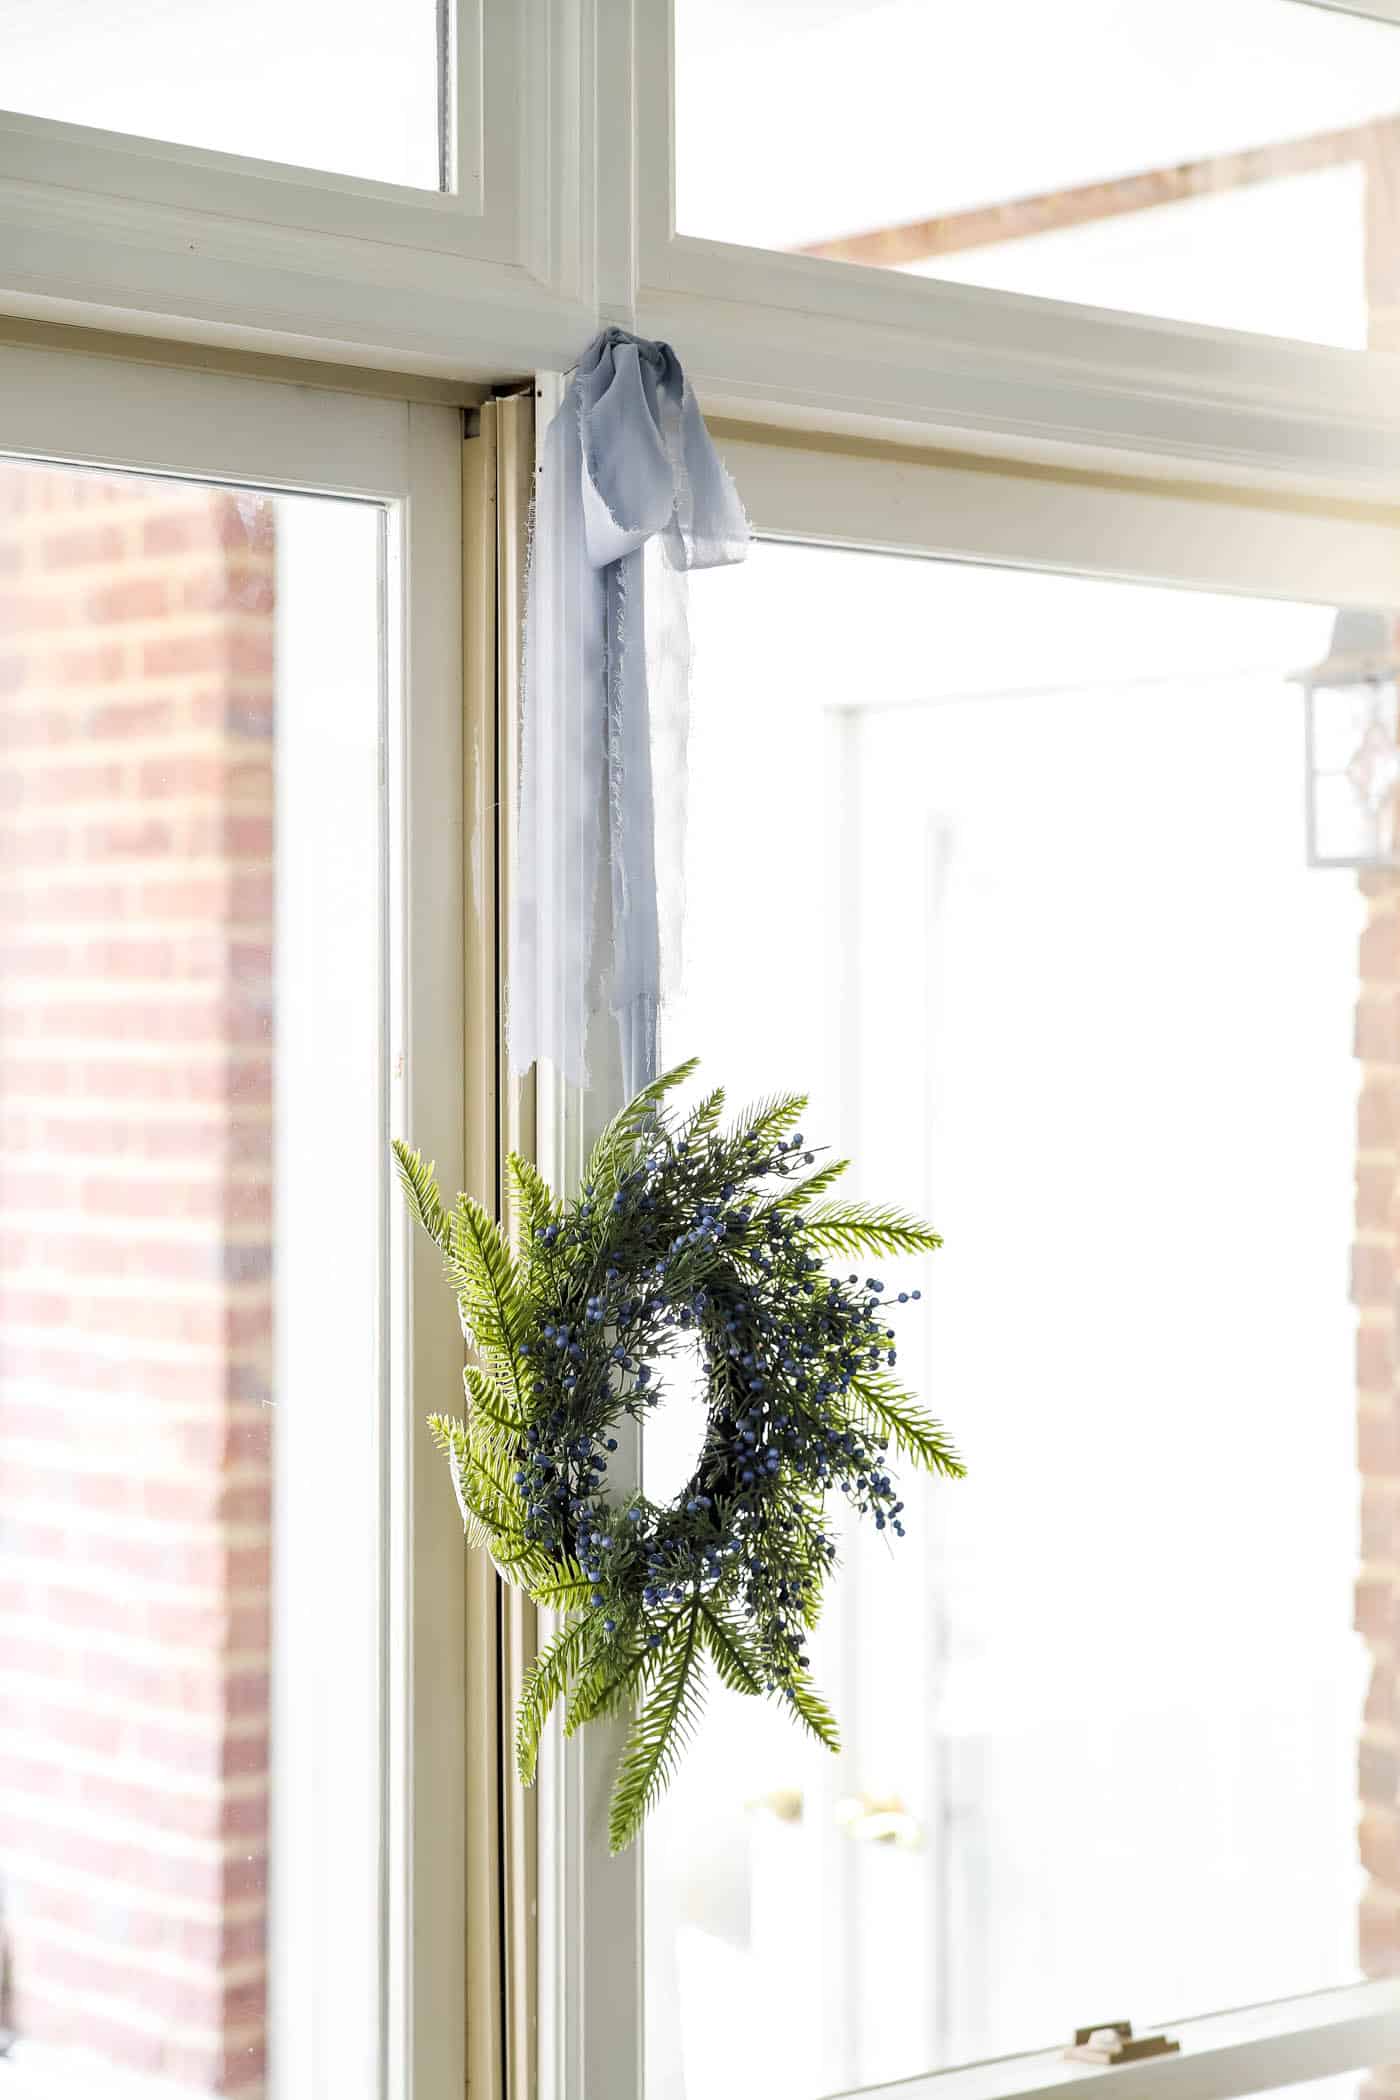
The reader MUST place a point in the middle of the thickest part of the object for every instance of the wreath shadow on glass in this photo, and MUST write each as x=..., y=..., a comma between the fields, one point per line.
x=682, y=1233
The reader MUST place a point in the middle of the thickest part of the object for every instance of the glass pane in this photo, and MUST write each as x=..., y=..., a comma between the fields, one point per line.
x=345, y=85
x=189, y=678
x=1221, y=161
x=1024, y=900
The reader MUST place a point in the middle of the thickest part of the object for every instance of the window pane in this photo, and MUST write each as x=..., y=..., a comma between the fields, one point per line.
x=1221, y=161
x=189, y=679
x=1024, y=900
x=344, y=85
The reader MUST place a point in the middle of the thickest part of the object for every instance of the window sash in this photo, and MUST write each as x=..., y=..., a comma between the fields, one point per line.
x=129, y=417
x=898, y=500
x=573, y=224
x=1251, y=2051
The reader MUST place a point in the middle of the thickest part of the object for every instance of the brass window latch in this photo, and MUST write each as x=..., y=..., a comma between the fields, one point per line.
x=1113, y=2042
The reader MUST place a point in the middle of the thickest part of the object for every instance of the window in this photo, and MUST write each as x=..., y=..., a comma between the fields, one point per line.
x=1227, y=164
x=1058, y=968
x=354, y=91
x=208, y=1769
x=1122, y=388
x=1048, y=1006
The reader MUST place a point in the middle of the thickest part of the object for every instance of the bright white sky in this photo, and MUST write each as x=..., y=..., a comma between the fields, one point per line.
x=346, y=85
x=801, y=122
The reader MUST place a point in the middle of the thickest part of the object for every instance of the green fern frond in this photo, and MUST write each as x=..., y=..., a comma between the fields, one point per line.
x=703, y=1121
x=482, y=1273
x=812, y=1185
x=421, y=1189
x=561, y=1585
x=618, y=1142
x=659, y=1732
x=534, y=1205
x=770, y=1119
x=891, y=1411
x=546, y=1681
x=869, y=1228
x=607, y=1683
x=491, y=1407
x=736, y=1665
x=814, y=1713
x=450, y=1436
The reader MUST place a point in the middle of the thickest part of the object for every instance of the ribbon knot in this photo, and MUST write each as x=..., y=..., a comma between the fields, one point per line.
x=631, y=495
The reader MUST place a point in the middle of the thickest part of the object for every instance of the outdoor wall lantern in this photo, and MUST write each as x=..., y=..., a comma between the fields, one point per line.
x=1351, y=709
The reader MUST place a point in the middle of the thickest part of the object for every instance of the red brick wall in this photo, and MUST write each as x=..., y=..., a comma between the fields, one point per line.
x=136, y=917
x=1375, y=1276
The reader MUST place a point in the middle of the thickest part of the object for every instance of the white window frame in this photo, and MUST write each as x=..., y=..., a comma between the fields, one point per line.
x=564, y=220
x=405, y=456
x=110, y=230
x=817, y=344
x=572, y=223
x=900, y=500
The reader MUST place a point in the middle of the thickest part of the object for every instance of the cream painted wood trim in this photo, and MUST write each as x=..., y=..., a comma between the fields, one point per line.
x=485, y=2033
x=166, y=351
x=1140, y=530
x=502, y=1819
x=515, y=469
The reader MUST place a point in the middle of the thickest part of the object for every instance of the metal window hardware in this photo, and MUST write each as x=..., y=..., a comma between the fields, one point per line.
x=879, y=1820
x=1113, y=2042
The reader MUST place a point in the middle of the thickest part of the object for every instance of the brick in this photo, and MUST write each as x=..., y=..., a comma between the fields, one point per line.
x=132, y=598
x=1378, y=1443
x=84, y=546
x=184, y=654
x=96, y=663
x=1372, y=1274
x=1379, y=1935
x=1380, y=1531
x=135, y=1266
x=1373, y=1607
x=179, y=532
x=1376, y=1116
x=128, y=720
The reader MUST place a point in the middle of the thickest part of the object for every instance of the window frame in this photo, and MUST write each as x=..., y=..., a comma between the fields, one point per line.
x=818, y=344
x=902, y=500
x=574, y=225
x=567, y=221
x=112, y=415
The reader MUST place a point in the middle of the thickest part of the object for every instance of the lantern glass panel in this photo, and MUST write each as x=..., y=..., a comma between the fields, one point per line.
x=1354, y=771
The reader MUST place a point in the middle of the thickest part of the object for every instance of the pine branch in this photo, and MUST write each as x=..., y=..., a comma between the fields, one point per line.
x=810, y=1707
x=606, y=1683
x=869, y=1228
x=545, y=1683
x=617, y=1144
x=561, y=1586
x=769, y=1120
x=887, y=1408
x=800, y=1192
x=702, y=1122
x=659, y=1733
x=736, y=1665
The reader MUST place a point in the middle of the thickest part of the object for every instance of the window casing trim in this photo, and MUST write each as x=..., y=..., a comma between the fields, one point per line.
x=575, y=228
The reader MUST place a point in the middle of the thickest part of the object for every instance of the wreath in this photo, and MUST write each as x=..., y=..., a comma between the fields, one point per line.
x=682, y=1233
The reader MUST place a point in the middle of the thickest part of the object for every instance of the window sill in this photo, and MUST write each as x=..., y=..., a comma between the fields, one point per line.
x=1250, y=2051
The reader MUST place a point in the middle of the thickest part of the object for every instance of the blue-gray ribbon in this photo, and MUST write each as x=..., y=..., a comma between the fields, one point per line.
x=631, y=495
